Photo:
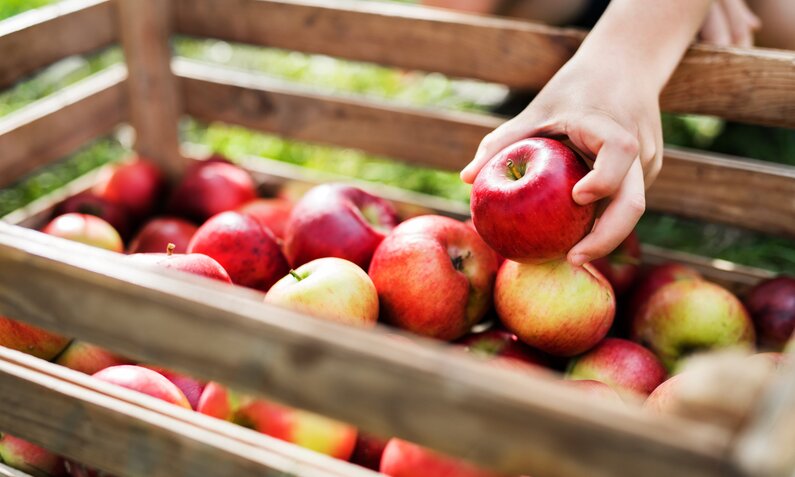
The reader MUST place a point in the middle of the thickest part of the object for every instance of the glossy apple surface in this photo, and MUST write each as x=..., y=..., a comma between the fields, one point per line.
x=772, y=307
x=654, y=279
x=87, y=229
x=191, y=387
x=136, y=185
x=434, y=277
x=30, y=339
x=217, y=401
x=271, y=213
x=194, y=263
x=522, y=201
x=405, y=459
x=88, y=358
x=144, y=380
x=558, y=308
x=211, y=188
x=156, y=234
x=90, y=204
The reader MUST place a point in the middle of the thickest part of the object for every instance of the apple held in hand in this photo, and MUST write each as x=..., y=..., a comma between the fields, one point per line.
x=687, y=316
x=622, y=266
x=156, y=234
x=195, y=263
x=211, y=188
x=271, y=213
x=522, y=201
x=330, y=288
x=627, y=367
x=405, y=459
x=244, y=248
x=556, y=307
x=29, y=339
x=434, y=277
x=30, y=458
x=772, y=308
x=146, y=381
x=336, y=220
x=86, y=229
x=88, y=358
x=136, y=185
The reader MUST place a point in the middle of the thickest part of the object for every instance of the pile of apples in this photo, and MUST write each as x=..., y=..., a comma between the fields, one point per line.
x=498, y=286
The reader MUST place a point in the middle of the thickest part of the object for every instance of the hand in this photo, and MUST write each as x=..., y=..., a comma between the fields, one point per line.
x=729, y=23
x=608, y=115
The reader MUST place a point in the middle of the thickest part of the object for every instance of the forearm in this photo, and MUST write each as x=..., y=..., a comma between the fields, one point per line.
x=644, y=38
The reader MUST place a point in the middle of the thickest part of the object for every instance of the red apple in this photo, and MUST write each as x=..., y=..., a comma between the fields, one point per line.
x=330, y=288
x=190, y=387
x=556, y=307
x=595, y=389
x=29, y=339
x=210, y=189
x=216, y=401
x=336, y=220
x=434, y=277
x=654, y=279
x=156, y=234
x=301, y=428
x=195, y=263
x=622, y=266
x=404, y=459
x=522, y=201
x=86, y=229
x=88, y=358
x=629, y=368
x=271, y=213
x=247, y=250
x=136, y=186
x=688, y=316
x=368, y=451
x=502, y=345
x=146, y=381
x=90, y=204
x=30, y=458
x=772, y=307
x=500, y=258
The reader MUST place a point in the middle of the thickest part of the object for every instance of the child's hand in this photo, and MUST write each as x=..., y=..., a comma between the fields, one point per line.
x=615, y=121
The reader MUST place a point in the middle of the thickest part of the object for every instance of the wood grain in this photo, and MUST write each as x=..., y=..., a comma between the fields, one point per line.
x=378, y=380
x=61, y=123
x=756, y=86
x=751, y=194
x=155, y=102
x=43, y=36
x=131, y=434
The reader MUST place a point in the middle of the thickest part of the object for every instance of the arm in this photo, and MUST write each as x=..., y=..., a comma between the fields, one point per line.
x=606, y=101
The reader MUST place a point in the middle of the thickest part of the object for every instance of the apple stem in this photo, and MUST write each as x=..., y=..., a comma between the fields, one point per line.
x=514, y=170
x=296, y=275
x=458, y=262
x=170, y=249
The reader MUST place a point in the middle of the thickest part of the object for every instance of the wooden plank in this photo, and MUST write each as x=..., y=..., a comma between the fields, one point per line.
x=155, y=103
x=6, y=471
x=389, y=385
x=39, y=37
x=131, y=434
x=60, y=124
x=751, y=194
x=755, y=86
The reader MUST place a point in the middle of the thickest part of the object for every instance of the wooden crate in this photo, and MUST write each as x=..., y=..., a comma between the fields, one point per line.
x=416, y=389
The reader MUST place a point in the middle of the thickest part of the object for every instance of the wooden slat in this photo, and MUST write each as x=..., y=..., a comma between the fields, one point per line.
x=386, y=384
x=745, y=85
x=130, y=434
x=60, y=124
x=37, y=38
x=750, y=194
x=6, y=471
x=155, y=105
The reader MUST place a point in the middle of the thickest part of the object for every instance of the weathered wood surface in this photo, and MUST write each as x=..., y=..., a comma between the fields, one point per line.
x=374, y=379
x=131, y=434
x=6, y=471
x=155, y=101
x=746, y=193
x=43, y=36
x=61, y=123
x=745, y=85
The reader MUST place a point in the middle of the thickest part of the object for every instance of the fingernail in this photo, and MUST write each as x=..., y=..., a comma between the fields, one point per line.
x=578, y=259
x=584, y=198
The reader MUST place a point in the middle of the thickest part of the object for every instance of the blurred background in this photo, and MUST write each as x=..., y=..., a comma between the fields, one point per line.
x=402, y=87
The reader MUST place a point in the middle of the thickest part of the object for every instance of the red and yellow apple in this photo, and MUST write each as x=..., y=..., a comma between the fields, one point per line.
x=504, y=346
x=30, y=458
x=90, y=204
x=195, y=263
x=622, y=266
x=144, y=380
x=88, y=358
x=405, y=459
x=654, y=279
x=30, y=339
x=87, y=229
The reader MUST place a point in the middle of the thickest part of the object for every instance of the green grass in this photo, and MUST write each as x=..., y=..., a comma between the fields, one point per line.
x=409, y=88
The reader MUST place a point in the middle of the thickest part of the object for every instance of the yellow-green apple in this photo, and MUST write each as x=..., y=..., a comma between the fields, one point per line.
x=337, y=220
x=330, y=288
x=596, y=389
x=90, y=204
x=405, y=459
x=195, y=263
x=502, y=345
x=88, y=358
x=298, y=427
x=556, y=307
x=136, y=185
x=245, y=249
x=271, y=213
x=217, y=401
x=622, y=266
x=687, y=316
x=156, y=234
x=434, y=277
x=144, y=380
x=772, y=308
x=30, y=339
x=87, y=229
x=654, y=279
x=211, y=188
x=522, y=202
x=629, y=368
x=368, y=451
x=30, y=458
x=192, y=388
